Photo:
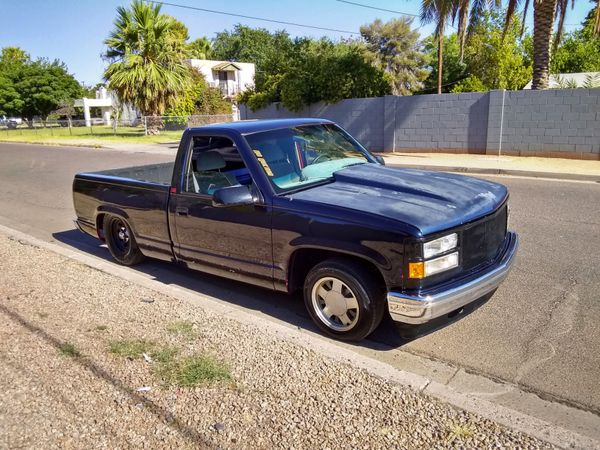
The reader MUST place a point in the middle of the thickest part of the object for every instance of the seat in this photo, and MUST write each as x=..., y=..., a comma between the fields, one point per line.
x=284, y=172
x=207, y=176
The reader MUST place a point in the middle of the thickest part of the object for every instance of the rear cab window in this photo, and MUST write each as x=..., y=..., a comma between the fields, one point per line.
x=213, y=162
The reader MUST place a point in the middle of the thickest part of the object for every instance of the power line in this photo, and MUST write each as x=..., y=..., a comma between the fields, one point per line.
x=464, y=76
x=378, y=9
x=388, y=10
x=281, y=22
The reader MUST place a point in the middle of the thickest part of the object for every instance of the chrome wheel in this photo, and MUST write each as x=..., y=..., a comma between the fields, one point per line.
x=120, y=240
x=121, y=236
x=335, y=304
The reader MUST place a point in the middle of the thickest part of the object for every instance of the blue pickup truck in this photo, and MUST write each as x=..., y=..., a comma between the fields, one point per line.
x=298, y=204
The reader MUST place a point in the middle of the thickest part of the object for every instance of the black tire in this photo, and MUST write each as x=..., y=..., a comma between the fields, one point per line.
x=121, y=242
x=360, y=285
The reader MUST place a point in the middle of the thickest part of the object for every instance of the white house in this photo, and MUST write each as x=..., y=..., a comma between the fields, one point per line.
x=230, y=77
x=102, y=101
x=105, y=101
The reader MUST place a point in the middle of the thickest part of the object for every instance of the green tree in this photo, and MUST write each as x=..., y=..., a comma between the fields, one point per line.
x=453, y=69
x=146, y=50
x=12, y=60
x=33, y=88
x=10, y=100
x=199, y=99
x=470, y=84
x=440, y=12
x=395, y=48
x=495, y=57
x=45, y=86
x=580, y=50
x=544, y=15
x=200, y=48
x=270, y=52
x=321, y=71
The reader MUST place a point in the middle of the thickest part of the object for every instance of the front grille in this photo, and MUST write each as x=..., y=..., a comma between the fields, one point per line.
x=482, y=239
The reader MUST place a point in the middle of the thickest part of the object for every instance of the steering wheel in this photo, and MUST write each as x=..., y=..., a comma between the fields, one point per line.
x=321, y=156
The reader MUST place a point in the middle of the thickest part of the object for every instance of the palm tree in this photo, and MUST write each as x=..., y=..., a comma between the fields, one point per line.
x=439, y=11
x=469, y=13
x=444, y=12
x=200, y=48
x=146, y=50
x=544, y=14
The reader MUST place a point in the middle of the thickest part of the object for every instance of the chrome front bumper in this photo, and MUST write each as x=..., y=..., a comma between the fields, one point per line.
x=421, y=308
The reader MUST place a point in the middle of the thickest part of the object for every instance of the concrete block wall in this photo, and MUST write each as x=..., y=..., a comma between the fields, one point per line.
x=556, y=123
x=363, y=118
x=445, y=123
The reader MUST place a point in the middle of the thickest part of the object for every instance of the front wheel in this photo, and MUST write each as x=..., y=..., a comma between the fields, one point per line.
x=121, y=242
x=344, y=299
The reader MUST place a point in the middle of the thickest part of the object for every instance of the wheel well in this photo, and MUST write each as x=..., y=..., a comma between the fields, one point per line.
x=303, y=260
x=100, y=226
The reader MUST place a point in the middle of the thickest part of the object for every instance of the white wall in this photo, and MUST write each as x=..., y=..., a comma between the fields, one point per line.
x=244, y=77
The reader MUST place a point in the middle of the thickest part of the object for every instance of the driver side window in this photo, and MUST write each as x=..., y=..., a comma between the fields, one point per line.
x=214, y=162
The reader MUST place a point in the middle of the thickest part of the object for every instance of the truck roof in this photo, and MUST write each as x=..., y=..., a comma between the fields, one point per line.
x=256, y=126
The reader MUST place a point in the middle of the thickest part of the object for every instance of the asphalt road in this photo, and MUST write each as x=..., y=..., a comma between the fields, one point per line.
x=540, y=330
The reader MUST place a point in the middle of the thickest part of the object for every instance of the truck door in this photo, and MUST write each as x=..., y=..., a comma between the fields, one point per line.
x=231, y=241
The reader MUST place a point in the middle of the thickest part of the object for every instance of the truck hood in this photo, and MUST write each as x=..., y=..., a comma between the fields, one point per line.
x=428, y=201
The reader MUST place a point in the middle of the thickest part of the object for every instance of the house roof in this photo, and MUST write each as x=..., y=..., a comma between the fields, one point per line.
x=563, y=79
x=227, y=67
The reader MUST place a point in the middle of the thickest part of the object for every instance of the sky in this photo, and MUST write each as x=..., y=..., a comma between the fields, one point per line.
x=74, y=30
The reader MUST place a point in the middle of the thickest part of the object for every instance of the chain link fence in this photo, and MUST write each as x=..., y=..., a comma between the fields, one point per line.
x=145, y=125
x=156, y=124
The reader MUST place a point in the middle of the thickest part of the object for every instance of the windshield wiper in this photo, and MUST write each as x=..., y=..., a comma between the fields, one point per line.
x=352, y=164
x=317, y=182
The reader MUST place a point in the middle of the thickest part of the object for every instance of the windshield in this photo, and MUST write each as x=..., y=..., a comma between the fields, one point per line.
x=295, y=157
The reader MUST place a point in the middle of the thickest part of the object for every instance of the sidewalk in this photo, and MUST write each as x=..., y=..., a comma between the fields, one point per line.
x=569, y=169
x=559, y=168
x=89, y=360
x=503, y=165
x=167, y=148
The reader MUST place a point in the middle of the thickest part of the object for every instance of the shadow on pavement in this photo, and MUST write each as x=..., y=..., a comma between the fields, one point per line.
x=287, y=308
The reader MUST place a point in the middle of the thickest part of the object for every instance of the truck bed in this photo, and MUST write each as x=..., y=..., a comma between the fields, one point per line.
x=151, y=173
x=138, y=194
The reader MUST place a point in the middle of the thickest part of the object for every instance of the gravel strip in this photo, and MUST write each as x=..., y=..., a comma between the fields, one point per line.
x=61, y=387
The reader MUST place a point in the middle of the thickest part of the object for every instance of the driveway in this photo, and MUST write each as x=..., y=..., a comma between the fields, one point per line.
x=540, y=330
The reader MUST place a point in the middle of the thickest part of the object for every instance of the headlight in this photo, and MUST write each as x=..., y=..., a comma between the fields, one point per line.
x=440, y=264
x=440, y=245
x=432, y=265
x=424, y=269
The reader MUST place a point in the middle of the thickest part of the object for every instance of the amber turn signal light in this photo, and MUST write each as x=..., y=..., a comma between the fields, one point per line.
x=416, y=270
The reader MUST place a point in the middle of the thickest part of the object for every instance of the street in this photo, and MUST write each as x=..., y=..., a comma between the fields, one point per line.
x=540, y=330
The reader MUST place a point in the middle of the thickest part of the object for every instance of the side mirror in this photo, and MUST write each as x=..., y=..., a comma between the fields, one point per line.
x=234, y=196
x=380, y=160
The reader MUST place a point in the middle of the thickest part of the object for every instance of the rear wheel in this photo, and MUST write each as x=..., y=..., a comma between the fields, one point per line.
x=344, y=299
x=121, y=242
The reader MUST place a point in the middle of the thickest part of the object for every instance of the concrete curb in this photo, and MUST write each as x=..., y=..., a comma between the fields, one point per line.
x=459, y=169
x=519, y=421
x=513, y=172
x=150, y=148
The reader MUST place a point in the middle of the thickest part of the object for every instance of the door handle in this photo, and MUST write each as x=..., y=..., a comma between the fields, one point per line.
x=181, y=211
